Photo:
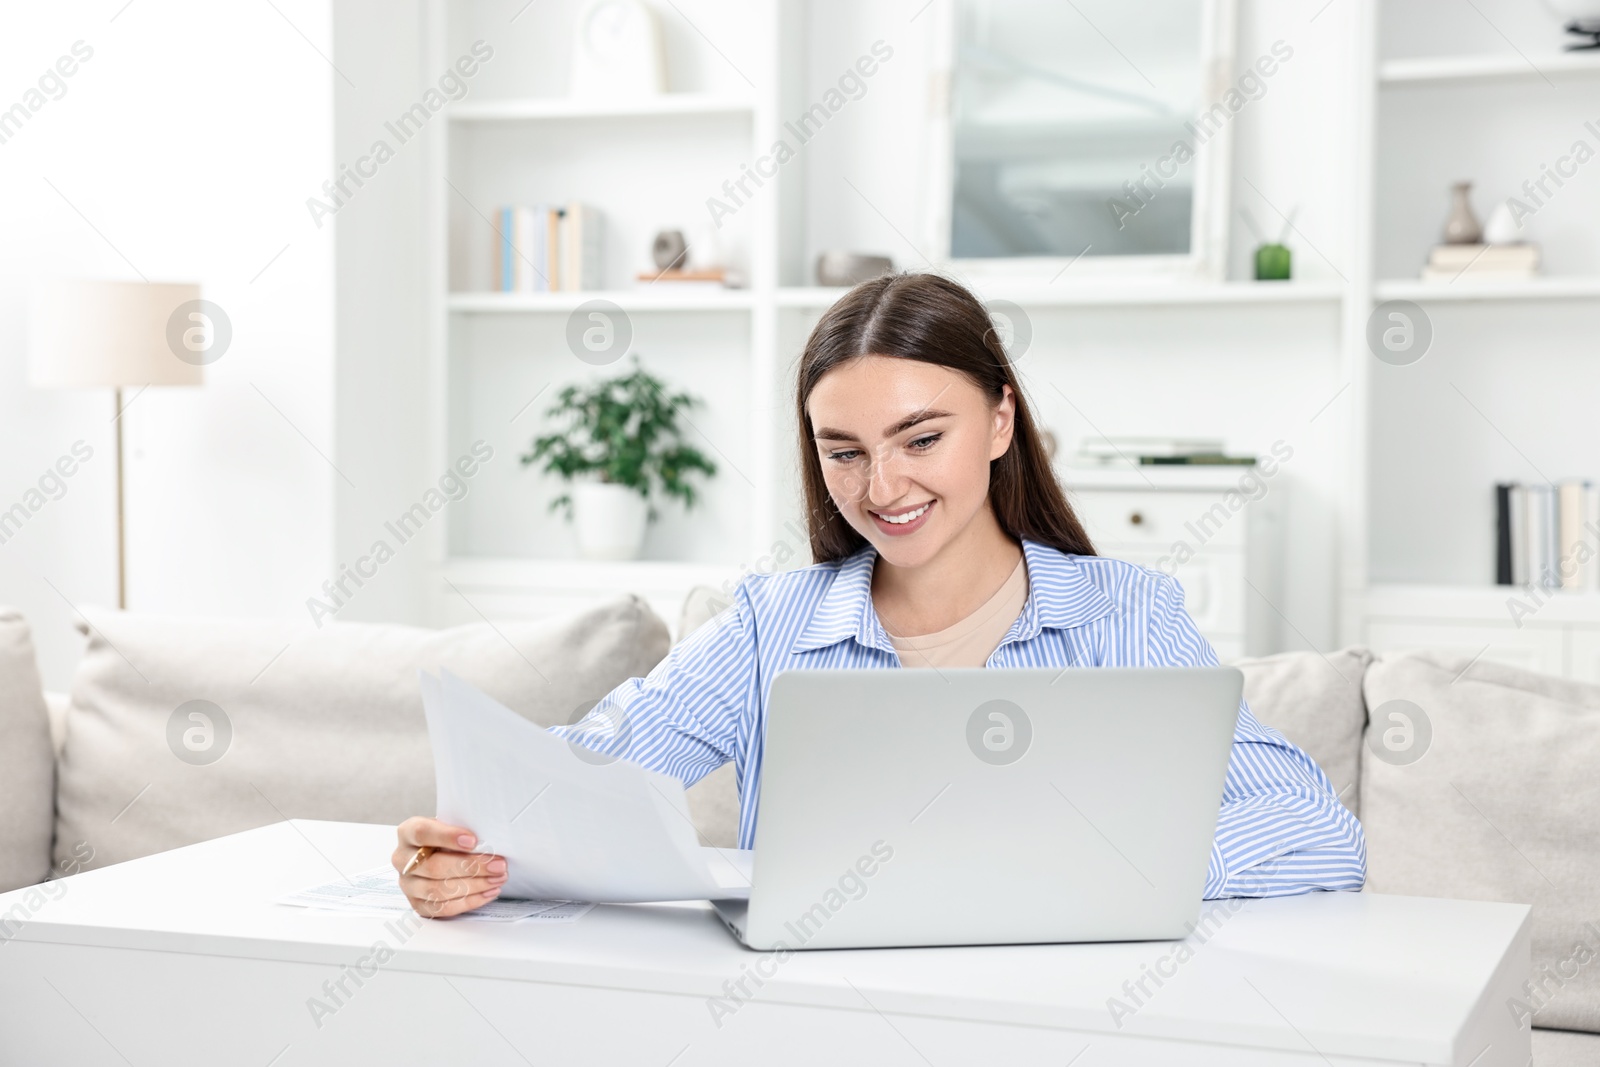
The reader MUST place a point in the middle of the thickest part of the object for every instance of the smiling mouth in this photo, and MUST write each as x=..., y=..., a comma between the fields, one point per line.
x=903, y=521
x=900, y=518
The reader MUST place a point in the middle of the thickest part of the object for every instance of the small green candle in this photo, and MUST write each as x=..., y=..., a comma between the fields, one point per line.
x=1272, y=263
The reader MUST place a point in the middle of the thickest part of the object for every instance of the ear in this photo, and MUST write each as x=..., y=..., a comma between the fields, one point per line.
x=1005, y=414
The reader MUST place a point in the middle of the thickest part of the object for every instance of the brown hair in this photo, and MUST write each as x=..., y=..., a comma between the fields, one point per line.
x=932, y=319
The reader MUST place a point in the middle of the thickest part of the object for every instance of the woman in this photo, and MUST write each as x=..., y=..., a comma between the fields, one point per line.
x=941, y=539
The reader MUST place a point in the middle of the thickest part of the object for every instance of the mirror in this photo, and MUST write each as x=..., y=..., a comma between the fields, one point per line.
x=1071, y=130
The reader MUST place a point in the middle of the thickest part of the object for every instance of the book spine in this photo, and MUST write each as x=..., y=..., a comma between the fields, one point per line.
x=1571, y=508
x=519, y=241
x=571, y=246
x=505, y=250
x=540, y=250
x=1519, y=534
x=1502, y=534
x=1552, y=537
x=595, y=254
x=552, y=250
x=1537, y=539
x=564, y=250
x=1591, y=525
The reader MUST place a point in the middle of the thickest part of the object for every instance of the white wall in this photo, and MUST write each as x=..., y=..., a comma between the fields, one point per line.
x=182, y=150
x=381, y=389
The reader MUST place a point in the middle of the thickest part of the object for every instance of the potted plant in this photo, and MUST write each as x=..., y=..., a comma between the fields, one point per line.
x=621, y=446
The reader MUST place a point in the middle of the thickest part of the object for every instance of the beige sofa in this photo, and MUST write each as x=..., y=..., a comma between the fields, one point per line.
x=1471, y=780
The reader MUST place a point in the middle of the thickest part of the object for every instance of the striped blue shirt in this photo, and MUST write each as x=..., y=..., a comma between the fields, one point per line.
x=1281, y=830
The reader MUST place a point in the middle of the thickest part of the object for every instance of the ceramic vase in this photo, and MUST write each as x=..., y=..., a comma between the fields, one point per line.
x=1461, y=227
x=609, y=520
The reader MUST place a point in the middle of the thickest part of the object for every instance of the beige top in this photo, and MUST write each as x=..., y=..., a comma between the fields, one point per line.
x=970, y=642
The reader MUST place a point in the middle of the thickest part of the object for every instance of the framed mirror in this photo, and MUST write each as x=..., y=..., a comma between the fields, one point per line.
x=1083, y=133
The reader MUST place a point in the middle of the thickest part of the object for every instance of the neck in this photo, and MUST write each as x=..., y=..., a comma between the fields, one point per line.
x=912, y=601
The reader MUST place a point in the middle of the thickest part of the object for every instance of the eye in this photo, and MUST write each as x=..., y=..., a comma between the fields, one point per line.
x=844, y=455
x=922, y=444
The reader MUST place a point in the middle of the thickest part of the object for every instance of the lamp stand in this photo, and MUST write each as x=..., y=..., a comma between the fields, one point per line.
x=122, y=550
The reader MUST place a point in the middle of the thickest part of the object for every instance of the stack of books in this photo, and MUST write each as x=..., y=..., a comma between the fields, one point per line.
x=1154, y=451
x=1481, y=262
x=1548, y=535
x=547, y=248
x=710, y=278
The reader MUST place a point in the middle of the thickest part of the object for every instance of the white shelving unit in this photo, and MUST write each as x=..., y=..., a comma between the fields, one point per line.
x=556, y=108
x=1251, y=361
x=1466, y=288
x=496, y=355
x=1494, y=391
x=1436, y=69
x=1135, y=293
x=644, y=299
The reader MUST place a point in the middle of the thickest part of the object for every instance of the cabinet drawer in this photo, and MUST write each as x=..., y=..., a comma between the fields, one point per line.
x=1160, y=519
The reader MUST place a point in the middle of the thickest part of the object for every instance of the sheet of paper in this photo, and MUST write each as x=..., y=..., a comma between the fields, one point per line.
x=378, y=892
x=570, y=827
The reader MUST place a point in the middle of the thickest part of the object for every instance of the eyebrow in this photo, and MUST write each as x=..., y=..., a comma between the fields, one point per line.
x=828, y=434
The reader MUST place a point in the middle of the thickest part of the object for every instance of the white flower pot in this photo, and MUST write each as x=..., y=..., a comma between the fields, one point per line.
x=609, y=520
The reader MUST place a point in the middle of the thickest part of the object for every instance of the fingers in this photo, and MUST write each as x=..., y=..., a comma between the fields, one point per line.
x=450, y=881
x=449, y=864
x=444, y=909
x=441, y=897
x=421, y=830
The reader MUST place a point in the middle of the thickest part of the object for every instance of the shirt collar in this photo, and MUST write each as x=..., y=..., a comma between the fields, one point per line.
x=1060, y=596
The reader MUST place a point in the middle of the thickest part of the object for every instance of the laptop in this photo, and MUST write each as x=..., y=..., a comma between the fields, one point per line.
x=986, y=806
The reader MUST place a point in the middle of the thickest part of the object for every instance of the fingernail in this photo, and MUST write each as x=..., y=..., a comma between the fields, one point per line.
x=466, y=841
x=497, y=867
x=498, y=878
x=494, y=892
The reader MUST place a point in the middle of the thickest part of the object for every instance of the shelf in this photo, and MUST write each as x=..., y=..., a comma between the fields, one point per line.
x=1472, y=604
x=1436, y=69
x=1511, y=289
x=630, y=300
x=1093, y=294
x=1197, y=477
x=543, y=108
x=569, y=575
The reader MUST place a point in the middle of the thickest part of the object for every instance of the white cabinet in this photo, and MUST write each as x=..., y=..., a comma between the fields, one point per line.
x=1195, y=524
x=1529, y=648
x=1583, y=654
x=1559, y=636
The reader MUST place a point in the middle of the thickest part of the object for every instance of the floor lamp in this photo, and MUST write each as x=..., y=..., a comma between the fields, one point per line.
x=115, y=335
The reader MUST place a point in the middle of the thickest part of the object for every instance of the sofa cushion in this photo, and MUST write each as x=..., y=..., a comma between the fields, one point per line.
x=180, y=730
x=1495, y=799
x=702, y=604
x=1565, y=1048
x=1315, y=701
x=27, y=764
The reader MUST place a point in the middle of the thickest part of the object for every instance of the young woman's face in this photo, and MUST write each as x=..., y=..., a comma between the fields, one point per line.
x=905, y=448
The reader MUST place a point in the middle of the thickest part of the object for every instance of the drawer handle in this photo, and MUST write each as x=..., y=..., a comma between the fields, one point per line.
x=1136, y=519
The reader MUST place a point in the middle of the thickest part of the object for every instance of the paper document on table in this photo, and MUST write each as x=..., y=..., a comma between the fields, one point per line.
x=572, y=824
x=377, y=891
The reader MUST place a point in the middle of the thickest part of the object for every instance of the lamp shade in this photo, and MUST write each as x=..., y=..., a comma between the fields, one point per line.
x=99, y=334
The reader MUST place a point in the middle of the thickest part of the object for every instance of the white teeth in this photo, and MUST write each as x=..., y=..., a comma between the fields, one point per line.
x=901, y=520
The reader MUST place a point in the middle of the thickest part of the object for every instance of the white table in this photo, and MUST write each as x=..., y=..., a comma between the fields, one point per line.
x=183, y=958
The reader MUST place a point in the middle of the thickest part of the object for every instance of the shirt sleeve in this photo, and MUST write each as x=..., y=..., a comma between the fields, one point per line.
x=687, y=717
x=1282, y=829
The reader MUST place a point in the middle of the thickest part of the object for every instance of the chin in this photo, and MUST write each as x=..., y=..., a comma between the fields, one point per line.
x=912, y=550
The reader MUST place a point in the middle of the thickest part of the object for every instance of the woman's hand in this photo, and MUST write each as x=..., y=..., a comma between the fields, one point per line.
x=451, y=880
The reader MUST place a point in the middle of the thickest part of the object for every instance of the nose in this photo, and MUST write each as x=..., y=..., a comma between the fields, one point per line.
x=886, y=482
